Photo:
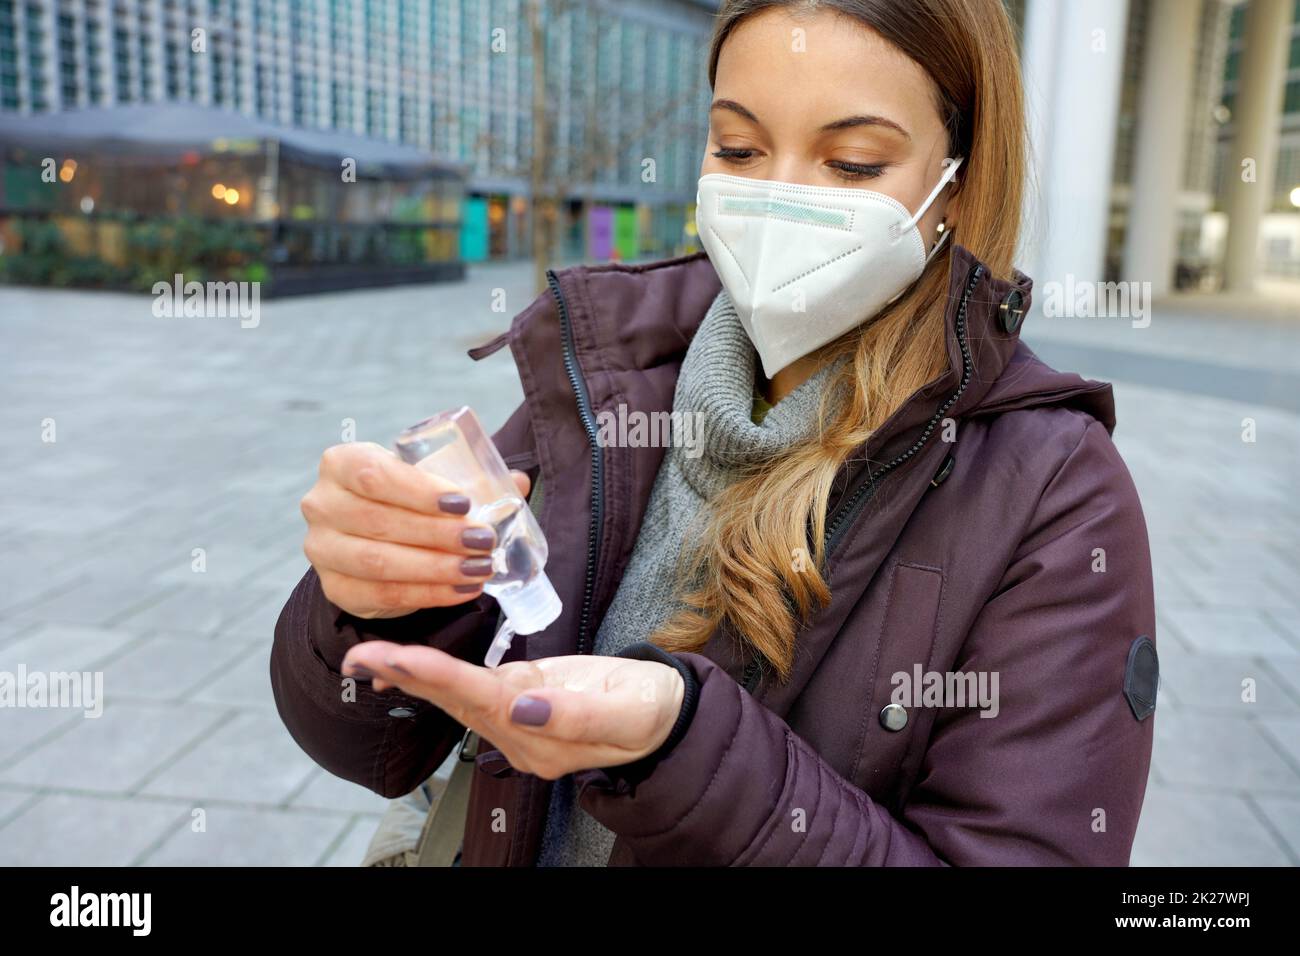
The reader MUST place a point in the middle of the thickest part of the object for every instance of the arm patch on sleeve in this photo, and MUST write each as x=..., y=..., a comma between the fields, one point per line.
x=1142, y=677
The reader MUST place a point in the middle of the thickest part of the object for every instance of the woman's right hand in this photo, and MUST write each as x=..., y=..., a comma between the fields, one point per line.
x=387, y=539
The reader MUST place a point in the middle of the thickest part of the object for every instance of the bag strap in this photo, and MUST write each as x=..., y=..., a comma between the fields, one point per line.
x=444, y=827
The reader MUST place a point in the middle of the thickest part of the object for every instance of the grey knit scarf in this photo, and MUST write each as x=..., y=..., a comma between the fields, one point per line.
x=716, y=389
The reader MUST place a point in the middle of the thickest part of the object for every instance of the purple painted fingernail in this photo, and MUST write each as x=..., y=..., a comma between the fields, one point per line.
x=454, y=504
x=531, y=711
x=476, y=567
x=358, y=670
x=466, y=588
x=480, y=539
x=398, y=667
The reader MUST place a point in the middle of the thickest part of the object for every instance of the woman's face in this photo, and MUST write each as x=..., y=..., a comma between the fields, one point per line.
x=833, y=105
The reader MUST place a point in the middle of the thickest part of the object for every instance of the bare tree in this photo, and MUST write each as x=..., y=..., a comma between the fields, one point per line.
x=554, y=169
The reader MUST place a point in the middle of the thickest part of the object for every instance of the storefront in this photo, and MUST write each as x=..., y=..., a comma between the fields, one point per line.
x=118, y=197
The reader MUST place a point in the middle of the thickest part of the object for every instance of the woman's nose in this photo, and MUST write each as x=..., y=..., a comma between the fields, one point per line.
x=792, y=171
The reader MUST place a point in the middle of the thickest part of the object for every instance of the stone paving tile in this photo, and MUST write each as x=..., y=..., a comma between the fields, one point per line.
x=280, y=579
x=65, y=830
x=1283, y=813
x=1287, y=623
x=223, y=564
x=243, y=836
x=117, y=751
x=245, y=681
x=12, y=802
x=164, y=667
x=259, y=622
x=1288, y=669
x=1285, y=732
x=29, y=576
x=102, y=600
x=59, y=647
x=328, y=792
x=248, y=759
x=1219, y=752
x=1186, y=828
x=1229, y=631
x=62, y=516
x=352, y=848
x=1231, y=587
x=1168, y=640
x=1214, y=683
x=201, y=610
x=23, y=727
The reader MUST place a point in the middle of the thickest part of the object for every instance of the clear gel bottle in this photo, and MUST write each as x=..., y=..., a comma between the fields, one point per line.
x=454, y=446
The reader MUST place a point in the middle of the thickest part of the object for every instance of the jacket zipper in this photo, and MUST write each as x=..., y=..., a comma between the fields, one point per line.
x=849, y=510
x=597, y=462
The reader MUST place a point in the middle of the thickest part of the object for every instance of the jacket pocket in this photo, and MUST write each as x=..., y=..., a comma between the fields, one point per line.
x=904, y=655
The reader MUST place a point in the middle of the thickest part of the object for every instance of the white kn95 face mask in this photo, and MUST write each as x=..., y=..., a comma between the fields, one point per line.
x=805, y=264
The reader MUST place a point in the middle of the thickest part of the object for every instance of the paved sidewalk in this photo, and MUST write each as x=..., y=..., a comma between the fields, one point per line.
x=180, y=434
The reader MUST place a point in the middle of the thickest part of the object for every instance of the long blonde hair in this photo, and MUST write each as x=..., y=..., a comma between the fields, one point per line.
x=742, y=567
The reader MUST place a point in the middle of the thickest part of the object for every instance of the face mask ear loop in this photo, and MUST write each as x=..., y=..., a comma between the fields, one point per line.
x=943, y=181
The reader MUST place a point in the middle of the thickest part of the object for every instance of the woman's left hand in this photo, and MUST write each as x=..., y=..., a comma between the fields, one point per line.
x=548, y=717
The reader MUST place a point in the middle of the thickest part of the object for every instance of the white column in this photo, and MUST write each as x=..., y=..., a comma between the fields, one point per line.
x=1257, y=111
x=1161, y=147
x=1073, y=64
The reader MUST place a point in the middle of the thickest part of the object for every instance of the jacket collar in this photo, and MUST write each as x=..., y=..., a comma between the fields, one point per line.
x=639, y=319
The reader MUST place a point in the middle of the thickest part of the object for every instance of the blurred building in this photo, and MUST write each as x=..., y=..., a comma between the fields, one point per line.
x=121, y=195
x=1166, y=141
x=625, y=85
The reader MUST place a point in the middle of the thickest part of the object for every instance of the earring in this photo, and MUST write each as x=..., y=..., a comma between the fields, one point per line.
x=939, y=232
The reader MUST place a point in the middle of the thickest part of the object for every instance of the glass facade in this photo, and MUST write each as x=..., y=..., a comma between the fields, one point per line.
x=624, y=81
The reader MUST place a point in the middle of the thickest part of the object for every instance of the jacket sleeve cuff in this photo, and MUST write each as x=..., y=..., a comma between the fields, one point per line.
x=624, y=778
x=628, y=775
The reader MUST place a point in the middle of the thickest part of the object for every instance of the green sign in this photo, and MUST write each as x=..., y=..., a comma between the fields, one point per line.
x=625, y=233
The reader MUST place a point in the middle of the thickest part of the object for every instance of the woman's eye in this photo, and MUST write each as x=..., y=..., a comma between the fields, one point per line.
x=853, y=171
x=733, y=155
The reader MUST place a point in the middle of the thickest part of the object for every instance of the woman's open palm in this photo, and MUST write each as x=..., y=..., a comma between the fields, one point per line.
x=548, y=717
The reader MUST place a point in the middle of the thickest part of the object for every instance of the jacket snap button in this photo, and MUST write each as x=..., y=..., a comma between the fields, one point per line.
x=401, y=712
x=944, y=471
x=1012, y=311
x=893, y=717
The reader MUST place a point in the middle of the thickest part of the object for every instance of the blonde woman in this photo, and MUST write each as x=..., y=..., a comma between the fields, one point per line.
x=860, y=619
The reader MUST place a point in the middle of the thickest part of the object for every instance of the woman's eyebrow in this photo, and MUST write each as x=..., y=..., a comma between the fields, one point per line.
x=850, y=121
x=734, y=107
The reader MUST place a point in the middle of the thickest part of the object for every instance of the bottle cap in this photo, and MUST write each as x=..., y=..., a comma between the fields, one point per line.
x=532, y=607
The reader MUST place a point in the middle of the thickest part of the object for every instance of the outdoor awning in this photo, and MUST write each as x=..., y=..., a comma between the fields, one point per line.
x=179, y=128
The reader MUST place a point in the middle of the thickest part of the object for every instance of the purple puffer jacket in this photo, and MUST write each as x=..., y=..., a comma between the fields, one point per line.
x=1017, y=551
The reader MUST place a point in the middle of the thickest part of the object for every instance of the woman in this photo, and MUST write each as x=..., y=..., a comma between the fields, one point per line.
x=890, y=605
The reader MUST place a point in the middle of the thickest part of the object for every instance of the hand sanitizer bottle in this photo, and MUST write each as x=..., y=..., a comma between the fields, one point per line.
x=453, y=445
